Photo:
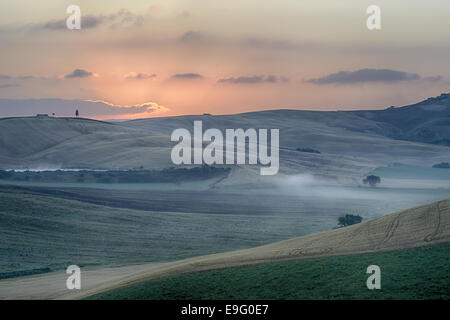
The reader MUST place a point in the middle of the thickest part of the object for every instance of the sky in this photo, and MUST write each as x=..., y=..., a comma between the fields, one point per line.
x=147, y=58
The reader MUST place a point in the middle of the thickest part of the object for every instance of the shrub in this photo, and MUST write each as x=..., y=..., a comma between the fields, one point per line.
x=309, y=150
x=372, y=180
x=348, y=220
x=442, y=165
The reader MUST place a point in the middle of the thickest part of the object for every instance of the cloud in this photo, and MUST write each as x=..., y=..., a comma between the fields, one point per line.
x=142, y=110
x=434, y=79
x=79, y=73
x=9, y=85
x=8, y=77
x=274, y=44
x=125, y=18
x=122, y=18
x=366, y=75
x=87, y=22
x=88, y=108
x=26, y=77
x=253, y=79
x=188, y=76
x=194, y=37
x=139, y=76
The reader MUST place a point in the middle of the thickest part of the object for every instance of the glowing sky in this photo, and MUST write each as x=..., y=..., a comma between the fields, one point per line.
x=216, y=56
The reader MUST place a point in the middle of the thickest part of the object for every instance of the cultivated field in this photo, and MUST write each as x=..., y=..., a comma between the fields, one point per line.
x=334, y=278
x=46, y=229
x=424, y=225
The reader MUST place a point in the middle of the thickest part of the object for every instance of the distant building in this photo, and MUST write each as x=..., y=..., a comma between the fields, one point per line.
x=42, y=115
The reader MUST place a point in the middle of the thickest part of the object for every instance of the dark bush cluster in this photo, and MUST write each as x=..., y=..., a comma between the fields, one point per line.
x=118, y=176
x=372, y=180
x=309, y=150
x=442, y=165
x=348, y=220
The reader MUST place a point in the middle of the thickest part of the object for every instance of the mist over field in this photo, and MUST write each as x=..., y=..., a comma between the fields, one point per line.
x=125, y=202
x=152, y=140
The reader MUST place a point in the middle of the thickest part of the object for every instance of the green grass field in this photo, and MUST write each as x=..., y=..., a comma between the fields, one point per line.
x=420, y=273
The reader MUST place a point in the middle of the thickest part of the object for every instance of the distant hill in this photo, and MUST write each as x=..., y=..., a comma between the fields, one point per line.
x=427, y=121
x=351, y=143
x=24, y=136
x=50, y=143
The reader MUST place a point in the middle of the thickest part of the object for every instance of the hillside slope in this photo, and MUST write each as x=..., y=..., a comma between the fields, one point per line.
x=419, y=226
x=350, y=143
x=25, y=136
x=326, y=278
x=428, y=224
x=427, y=121
x=41, y=143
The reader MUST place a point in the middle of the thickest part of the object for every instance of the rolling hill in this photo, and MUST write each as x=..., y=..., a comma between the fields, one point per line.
x=351, y=143
x=416, y=227
x=326, y=278
x=46, y=142
x=427, y=121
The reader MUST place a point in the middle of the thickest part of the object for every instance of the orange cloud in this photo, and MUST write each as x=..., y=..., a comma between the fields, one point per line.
x=143, y=110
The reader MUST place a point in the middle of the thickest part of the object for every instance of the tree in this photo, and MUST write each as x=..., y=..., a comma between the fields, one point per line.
x=349, y=219
x=372, y=180
x=77, y=113
x=442, y=165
